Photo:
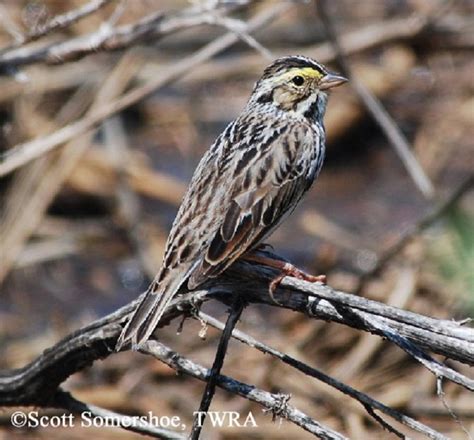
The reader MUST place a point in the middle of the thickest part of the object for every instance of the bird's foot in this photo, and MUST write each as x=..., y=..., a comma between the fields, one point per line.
x=286, y=269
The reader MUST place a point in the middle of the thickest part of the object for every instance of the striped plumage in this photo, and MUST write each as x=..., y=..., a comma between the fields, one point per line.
x=248, y=181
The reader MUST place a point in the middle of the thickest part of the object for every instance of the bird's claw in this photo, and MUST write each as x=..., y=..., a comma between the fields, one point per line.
x=289, y=270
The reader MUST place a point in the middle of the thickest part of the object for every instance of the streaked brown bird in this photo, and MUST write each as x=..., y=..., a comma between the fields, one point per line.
x=250, y=179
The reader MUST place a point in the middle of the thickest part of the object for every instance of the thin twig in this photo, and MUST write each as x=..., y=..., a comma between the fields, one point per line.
x=442, y=396
x=58, y=22
x=437, y=368
x=377, y=111
x=383, y=423
x=116, y=14
x=239, y=28
x=272, y=402
x=206, y=400
x=365, y=400
x=107, y=37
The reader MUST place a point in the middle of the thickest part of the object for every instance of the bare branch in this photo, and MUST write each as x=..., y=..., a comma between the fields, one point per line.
x=239, y=28
x=58, y=22
x=36, y=383
x=365, y=400
x=234, y=315
x=273, y=402
x=107, y=37
x=441, y=394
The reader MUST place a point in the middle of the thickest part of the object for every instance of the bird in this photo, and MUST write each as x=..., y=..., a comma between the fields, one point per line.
x=246, y=184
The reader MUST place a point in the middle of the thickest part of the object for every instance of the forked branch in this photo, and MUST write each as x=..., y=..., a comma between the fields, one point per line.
x=38, y=383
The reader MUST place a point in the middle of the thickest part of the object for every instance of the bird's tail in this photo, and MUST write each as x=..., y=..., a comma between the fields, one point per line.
x=145, y=318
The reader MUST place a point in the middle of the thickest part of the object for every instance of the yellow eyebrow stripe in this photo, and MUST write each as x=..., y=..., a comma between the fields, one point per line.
x=307, y=72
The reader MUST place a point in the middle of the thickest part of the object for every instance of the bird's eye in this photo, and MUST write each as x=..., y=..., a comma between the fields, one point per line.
x=298, y=80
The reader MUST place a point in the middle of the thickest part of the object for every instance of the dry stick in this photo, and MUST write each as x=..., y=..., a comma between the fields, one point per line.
x=151, y=27
x=210, y=390
x=239, y=28
x=381, y=327
x=442, y=396
x=35, y=383
x=66, y=401
x=374, y=317
x=377, y=111
x=383, y=423
x=365, y=400
x=275, y=403
x=416, y=228
x=28, y=151
x=106, y=38
x=311, y=299
x=58, y=22
x=403, y=291
x=116, y=14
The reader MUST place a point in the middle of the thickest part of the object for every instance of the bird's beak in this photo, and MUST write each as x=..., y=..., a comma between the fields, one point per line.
x=331, y=80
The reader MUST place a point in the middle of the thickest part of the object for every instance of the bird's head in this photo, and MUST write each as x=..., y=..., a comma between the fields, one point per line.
x=294, y=83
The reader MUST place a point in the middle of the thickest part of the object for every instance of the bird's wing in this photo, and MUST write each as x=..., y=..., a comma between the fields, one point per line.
x=266, y=187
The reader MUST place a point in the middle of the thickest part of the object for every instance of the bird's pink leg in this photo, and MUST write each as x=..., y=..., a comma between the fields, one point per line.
x=287, y=269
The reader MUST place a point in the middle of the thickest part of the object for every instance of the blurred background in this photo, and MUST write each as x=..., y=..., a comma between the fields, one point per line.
x=83, y=226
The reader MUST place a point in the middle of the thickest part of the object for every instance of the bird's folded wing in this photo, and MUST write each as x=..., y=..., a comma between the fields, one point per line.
x=252, y=213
